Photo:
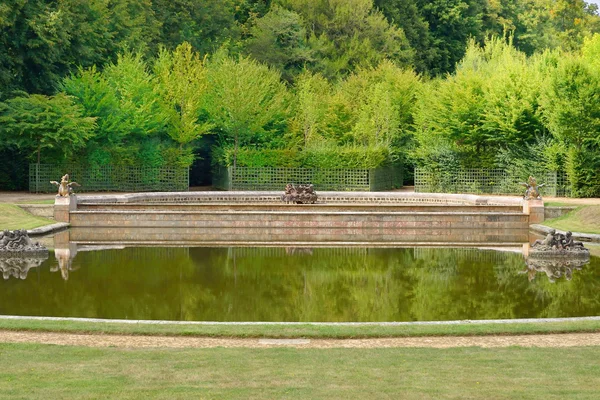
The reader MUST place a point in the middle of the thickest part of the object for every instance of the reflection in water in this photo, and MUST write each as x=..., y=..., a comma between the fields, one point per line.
x=19, y=267
x=289, y=284
x=298, y=250
x=553, y=268
x=64, y=258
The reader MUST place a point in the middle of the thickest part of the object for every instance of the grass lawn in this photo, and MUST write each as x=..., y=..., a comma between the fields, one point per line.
x=300, y=331
x=13, y=217
x=584, y=219
x=48, y=201
x=46, y=371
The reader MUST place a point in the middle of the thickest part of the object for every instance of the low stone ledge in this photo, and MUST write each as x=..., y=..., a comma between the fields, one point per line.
x=39, y=210
x=584, y=237
x=324, y=197
x=44, y=230
x=555, y=212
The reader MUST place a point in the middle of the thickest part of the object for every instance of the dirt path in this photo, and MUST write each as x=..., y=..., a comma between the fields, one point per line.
x=92, y=340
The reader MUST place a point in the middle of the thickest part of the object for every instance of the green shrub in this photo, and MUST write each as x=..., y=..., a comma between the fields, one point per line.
x=330, y=157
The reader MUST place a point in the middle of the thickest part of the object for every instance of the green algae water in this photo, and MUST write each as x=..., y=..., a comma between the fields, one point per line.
x=297, y=284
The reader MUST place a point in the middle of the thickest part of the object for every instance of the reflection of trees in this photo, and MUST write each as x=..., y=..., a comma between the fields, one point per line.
x=278, y=285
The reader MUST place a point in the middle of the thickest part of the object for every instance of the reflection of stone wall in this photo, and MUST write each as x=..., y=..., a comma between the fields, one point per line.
x=274, y=252
x=467, y=254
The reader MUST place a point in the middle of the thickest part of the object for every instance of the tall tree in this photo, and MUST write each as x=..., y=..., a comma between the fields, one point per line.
x=246, y=101
x=205, y=24
x=348, y=34
x=181, y=84
x=41, y=125
x=405, y=14
x=279, y=40
x=451, y=24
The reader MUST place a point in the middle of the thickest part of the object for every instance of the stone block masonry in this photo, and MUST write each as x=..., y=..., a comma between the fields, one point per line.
x=260, y=218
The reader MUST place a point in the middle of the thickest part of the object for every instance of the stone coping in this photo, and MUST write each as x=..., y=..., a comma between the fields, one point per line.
x=407, y=323
x=292, y=212
x=324, y=197
x=584, y=237
x=43, y=230
x=514, y=247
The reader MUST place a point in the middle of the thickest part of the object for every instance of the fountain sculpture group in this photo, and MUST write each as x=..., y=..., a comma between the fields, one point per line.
x=18, y=254
x=303, y=194
x=18, y=242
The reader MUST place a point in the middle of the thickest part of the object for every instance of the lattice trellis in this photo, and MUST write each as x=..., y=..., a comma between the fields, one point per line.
x=486, y=181
x=267, y=178
x=109, y=178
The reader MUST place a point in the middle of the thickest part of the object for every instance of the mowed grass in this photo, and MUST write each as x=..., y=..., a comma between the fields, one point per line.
x=584, y=219
x=36, y=371
x=47, y=201
x=13, y=217
x=302, y=330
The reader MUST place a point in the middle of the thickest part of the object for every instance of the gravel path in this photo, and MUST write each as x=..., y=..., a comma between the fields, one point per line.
x=94, y=340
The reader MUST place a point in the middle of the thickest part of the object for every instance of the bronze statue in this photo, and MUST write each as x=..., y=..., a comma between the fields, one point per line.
x=532, y=192
x=569, y=243
x=65, y=188
x=559, y=245
x=303, y=194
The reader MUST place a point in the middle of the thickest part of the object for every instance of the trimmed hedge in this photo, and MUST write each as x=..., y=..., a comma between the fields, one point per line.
x=324, y=158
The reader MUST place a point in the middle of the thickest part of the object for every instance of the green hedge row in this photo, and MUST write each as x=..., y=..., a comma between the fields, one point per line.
x=349, y=157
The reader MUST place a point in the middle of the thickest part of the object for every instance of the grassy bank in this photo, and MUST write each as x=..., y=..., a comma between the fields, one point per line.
x=584, y=219
x=46, y=371
x=301, y=331
x=13, y=217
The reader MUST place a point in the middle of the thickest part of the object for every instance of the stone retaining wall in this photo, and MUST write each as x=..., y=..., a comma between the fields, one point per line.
x=261, y=217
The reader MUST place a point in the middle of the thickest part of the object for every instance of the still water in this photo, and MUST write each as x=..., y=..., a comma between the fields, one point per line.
x=293, y=284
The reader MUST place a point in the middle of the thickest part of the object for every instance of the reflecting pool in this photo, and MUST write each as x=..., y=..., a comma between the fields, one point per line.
x=298, y=284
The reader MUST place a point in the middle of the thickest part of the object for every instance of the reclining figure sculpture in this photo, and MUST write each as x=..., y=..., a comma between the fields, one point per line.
x=557, y=242
x=303, y=194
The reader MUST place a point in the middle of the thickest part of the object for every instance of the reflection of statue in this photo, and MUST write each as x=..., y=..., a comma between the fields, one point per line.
x=303, y=194
x=532, y=192
x=64, y=257
x=553, y=268
x=19, y=267
x=65, y=188
x=16, y=243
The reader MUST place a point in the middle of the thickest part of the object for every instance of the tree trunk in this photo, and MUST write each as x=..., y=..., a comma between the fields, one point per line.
x=235, y=151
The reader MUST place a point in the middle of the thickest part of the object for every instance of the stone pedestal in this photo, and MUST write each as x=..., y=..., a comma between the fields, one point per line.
x=63, y=206
x=535, y=210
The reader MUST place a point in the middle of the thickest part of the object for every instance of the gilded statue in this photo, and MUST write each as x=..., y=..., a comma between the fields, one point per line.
x=532, y=192
x=65, y=188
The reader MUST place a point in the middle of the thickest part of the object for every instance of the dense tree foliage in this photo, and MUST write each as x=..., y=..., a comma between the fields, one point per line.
x=436, y=83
